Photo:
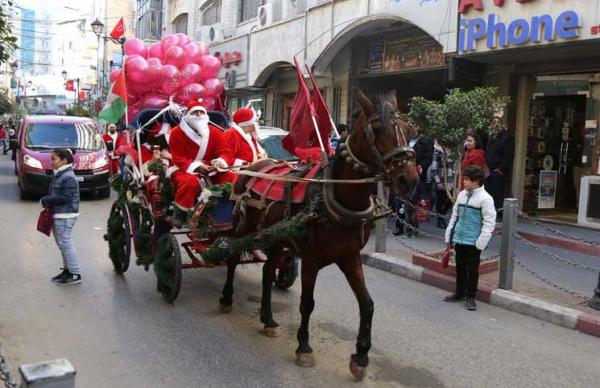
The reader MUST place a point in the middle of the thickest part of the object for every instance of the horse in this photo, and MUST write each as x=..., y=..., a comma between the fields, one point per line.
x=377, y=146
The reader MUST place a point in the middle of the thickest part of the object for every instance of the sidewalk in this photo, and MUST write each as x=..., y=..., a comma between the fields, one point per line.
x=571, y=278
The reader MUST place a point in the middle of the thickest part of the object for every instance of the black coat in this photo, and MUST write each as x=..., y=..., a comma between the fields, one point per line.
x=424, y=154
x=500, y=152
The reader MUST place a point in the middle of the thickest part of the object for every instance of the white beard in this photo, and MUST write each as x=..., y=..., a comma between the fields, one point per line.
x=198, y=124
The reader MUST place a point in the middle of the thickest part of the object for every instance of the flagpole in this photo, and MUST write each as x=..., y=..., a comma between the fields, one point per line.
x=314, y=120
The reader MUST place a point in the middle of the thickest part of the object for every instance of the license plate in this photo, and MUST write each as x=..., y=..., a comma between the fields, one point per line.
x=80, y=179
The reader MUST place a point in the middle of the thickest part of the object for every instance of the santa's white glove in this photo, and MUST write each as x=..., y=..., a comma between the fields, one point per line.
x=219, y=165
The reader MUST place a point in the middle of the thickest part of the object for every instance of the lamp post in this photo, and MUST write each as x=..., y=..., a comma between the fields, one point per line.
x=98, y=28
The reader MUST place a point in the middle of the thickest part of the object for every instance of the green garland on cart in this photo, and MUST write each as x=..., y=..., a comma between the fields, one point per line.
x=143, y=238
x=164, y=266
x=115, y=236
x=285, y=230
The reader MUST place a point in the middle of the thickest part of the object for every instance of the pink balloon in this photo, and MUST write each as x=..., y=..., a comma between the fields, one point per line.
x=203, y=48
x=169, y=79
x=152, y=101
x=182, y=39
x=191, y=92
x=190, y=74
x=210, y=66
x=214, y=87
x=155, y=50
x=168, y=41
x=192, y=53
x=131, y=98
x=153, y=72
x=174, y=56
x=210, y=103
x=136, y=70
x=129, y=58
x=114, y=74
x=135, y=46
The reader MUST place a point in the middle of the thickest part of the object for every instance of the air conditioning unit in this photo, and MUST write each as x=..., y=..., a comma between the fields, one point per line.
x=212, y=33
x=265, y=13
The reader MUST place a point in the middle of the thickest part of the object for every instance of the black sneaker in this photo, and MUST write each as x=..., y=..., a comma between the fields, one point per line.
x=454, y=298
x=69, y=278
x=58, y=277
x=470, y=304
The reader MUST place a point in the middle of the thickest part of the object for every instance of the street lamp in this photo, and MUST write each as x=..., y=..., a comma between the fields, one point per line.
x=14, y=66
x=98, y=28
x=64, y=74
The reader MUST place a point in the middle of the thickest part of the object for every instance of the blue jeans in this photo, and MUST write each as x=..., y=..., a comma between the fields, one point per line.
x=62, y=229
x=4, y=146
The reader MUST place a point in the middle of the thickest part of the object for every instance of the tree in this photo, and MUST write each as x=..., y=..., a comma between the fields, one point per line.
x=448, y=121
x=5, y=105
x=8, y=42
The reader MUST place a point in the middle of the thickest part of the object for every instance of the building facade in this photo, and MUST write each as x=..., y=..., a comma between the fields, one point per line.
x=544, y=54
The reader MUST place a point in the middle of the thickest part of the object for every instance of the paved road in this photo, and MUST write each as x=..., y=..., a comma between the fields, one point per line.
x=119, y=333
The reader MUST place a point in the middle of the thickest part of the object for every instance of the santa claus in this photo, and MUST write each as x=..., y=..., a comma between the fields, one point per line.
x=242, y=138
x=112, y=140
x=197, y=148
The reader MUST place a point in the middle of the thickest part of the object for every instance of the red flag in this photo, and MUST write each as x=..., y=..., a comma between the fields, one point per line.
x=119, y=30
x=321, y=112
x=70, y=85
x=82, y=95
x=302, y=131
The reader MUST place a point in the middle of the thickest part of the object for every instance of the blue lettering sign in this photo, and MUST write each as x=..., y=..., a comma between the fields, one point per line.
x=519, y=32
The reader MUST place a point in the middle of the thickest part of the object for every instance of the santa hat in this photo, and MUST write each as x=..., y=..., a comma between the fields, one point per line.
x=194, y=106
x=245, y=116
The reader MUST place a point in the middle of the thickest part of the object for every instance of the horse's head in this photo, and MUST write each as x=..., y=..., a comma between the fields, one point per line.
x=380, y=141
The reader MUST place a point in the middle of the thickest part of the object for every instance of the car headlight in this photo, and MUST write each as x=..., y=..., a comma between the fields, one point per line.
x=103, y=161
x=32, y=162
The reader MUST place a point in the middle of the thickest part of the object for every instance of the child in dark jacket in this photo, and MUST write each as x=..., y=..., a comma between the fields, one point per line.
x=63, y=201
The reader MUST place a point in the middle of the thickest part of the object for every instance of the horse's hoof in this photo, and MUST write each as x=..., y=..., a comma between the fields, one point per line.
x=359, y=372
x=225, y=309
x=305, y=360
x=272, y=332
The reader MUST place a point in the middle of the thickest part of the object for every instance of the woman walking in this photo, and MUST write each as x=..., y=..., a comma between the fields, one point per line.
x=63, y=201
x=474, y=154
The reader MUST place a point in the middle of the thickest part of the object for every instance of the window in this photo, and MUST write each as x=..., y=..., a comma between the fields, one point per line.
x=211, y=14
x=81, y=136
x=180, y=24
x=248, y=9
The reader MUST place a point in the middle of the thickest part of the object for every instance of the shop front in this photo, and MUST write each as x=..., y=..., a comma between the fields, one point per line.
x=545, y=53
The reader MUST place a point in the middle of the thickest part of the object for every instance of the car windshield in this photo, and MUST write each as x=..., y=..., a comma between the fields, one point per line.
x=274, y=148
x=80, y=136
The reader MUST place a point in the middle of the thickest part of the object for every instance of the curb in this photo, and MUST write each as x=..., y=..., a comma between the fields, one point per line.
x=532, y=307
x=561, y=243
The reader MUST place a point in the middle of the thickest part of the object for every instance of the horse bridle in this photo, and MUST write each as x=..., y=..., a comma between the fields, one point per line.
x=403, y=153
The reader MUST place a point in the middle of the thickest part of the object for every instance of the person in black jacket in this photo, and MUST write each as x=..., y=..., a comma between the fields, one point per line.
x=498, y=159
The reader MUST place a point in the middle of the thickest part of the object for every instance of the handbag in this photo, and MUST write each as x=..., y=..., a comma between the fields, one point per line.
x=45, y=220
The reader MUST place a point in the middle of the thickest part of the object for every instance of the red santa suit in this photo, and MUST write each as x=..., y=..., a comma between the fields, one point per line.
x=244, y=145
x=116, y=140
x=192, y=148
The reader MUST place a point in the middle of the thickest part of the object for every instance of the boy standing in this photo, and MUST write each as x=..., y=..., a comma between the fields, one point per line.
x=470, y=230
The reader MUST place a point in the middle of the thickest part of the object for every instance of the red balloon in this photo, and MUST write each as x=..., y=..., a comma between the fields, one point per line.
x=114, y=74
x=131, y=98
x=168, y=41
x=182, y=39
x=192, y=53
x=136, y=70
x=153, y=72
x=134, y=46
x=210, y=103
x=174, y=56
x=190, y=74
x=155, y=102
x=203, y=48
x=191, y=91
x=129, y=58
x=155, y=50
x=210, y=66
x=214, y=87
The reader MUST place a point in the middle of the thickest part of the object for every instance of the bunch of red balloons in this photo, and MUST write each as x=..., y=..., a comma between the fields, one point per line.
x=174, y=67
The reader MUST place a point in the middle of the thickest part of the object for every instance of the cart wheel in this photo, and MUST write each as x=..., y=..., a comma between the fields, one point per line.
x=287, y=274
x=118, y=237
x=167, y=267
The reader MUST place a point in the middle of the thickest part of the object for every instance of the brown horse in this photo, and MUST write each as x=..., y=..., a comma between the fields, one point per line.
x=376, y=147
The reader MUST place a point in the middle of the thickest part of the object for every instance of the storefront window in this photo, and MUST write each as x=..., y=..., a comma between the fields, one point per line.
x=248, y=9
x=180, y=24
x=211, y=14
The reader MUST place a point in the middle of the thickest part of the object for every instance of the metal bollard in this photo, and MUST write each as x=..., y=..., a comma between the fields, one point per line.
x=48, y=374
x=507, y=246
x=380, y=225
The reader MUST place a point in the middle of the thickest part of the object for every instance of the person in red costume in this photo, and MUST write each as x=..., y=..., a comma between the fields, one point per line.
x=474, y=154
x=112, y=140
x=197, y=148
x=242, y=138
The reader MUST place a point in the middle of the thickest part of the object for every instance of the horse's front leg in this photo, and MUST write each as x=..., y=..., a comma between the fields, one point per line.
x=271, y=328
x=226, y=301
x=304, y=353
x=353, y=271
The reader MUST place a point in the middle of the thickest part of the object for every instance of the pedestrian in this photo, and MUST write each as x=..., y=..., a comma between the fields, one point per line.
x=63, y=201
x=469, y=231
x=342, y=131
x=3, y=139
x=441, y=187
x=498, y=159
x=421, y=196
x=474, y=154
